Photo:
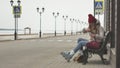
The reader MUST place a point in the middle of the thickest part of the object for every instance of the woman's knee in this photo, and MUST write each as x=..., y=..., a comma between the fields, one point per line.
x=80, y=39
x=82, y=43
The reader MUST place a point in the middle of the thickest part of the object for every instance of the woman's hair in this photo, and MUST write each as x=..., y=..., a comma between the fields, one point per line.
x=93, y=24
x=94, y=27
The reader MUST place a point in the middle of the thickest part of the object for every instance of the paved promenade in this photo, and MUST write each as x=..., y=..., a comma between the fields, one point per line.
x=8, y=37
x=43, y=53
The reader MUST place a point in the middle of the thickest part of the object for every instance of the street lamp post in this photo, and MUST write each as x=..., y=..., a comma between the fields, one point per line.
x=84, y=24
x=16, y=11
x=65, y=17
x=80, y=26
x=76, y=25
x=94, y=7
x=40, y=12
x=55, y=15
x=71, y=26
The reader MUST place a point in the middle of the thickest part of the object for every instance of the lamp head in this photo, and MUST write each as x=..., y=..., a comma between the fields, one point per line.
x=18, y=2
x=43, y=9
x=57, y=14
x=37, y=9
x=11, y=2
x=53, y=13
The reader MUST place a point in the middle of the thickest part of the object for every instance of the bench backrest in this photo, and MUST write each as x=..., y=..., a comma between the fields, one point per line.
x=106, y=40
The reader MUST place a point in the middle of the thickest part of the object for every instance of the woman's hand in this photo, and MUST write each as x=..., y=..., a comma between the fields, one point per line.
x=86, y=30
x=92, y=35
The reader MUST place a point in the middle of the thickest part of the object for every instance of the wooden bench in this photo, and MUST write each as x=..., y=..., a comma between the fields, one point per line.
x=101, y=51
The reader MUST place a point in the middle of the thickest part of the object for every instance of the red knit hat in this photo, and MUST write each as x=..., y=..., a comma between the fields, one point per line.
x=91, y=18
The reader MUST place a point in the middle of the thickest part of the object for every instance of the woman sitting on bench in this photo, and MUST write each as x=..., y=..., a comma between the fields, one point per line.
x=96, y=33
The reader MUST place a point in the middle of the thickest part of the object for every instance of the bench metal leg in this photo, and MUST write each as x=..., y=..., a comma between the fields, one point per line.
x=103, y=59
x=85, y=54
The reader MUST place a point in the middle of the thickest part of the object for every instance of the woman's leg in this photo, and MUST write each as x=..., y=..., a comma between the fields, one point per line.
x=80, y=44
x=81, y=39
x=69, y=55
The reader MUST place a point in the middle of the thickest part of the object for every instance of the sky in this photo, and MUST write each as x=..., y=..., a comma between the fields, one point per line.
x=77, y=9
